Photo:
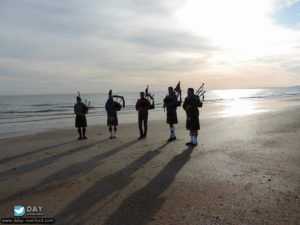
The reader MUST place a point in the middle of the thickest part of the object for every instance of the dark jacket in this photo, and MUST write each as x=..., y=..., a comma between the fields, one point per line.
x=142, y=106
x=191, y=104
x=171, y=102
x=112, y=107
x=80, y=109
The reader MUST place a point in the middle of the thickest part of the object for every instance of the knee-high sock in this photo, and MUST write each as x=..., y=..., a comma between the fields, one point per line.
x=191, y=135
x=172, y=132
x=194, y=139
x=83, y=131
x=115, y=131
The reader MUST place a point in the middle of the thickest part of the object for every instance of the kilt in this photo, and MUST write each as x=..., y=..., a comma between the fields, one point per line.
x=192, y=122
x=172, y=117
x=80, y=121
x=112, y=121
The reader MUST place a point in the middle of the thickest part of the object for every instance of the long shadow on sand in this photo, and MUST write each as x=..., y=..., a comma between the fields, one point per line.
x=141, y=206
x=74, y=213
x=41, y=163
x=10, y=158
x=74, y=170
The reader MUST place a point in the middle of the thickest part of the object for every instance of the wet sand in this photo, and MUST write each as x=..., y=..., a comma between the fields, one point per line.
x=245, y=170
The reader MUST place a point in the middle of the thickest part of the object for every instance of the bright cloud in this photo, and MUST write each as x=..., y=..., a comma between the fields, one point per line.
x=243, y=29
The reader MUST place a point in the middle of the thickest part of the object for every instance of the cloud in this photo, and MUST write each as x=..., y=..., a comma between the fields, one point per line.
x=71, y=43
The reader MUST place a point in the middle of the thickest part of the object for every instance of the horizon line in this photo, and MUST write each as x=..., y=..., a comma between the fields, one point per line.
x=11, y=95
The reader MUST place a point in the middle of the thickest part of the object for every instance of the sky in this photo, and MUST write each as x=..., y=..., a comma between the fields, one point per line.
x=57, y=47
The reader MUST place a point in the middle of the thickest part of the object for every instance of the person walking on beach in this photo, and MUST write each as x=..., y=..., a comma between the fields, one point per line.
x=80, y=110
x=112, y=107
x=191, y=104
x=142, y=106
x=171, y=103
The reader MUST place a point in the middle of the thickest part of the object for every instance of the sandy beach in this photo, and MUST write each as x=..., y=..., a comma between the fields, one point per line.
x=245, y=170
x=91, y=63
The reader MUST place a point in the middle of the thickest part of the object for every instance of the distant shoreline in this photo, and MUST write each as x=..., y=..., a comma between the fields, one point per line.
x=137, y=91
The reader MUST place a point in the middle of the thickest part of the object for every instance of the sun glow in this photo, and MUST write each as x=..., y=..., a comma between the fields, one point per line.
x=243, y=29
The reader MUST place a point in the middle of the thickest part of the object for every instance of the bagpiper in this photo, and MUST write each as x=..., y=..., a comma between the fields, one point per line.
x=171, y=102
x=80, y=109
x=191, y=104
x=112, y=107
x=142, y=106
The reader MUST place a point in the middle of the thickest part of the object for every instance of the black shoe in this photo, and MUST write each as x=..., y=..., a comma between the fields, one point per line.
x=80, y=138
x=189, y=143
x=85, y=137
x=141, y=137
x=171, y=139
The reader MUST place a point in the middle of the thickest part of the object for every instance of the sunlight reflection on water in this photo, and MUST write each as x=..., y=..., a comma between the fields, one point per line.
x=239, y=103
x=241, y=107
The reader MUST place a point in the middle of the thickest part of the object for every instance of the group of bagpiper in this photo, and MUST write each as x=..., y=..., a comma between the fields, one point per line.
x=146, y=102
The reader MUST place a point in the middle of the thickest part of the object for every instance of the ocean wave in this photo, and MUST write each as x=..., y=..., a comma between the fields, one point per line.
x=38, y=105
x=253, y=97
x=64, y=107
x=49, y=110
x=35, y=111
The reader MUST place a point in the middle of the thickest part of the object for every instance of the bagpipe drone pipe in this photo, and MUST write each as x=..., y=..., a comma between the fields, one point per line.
x=177, y=91
x=149, y=97
x=200, y=92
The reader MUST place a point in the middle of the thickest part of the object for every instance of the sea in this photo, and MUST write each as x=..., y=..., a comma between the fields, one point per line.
x=29, y=114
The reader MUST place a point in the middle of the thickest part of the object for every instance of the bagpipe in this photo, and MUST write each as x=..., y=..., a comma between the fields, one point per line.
x=117, y=98
x=86, y=105
x=149, y=96
x=200, y=92
x=194, y=100
x=177, y=91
